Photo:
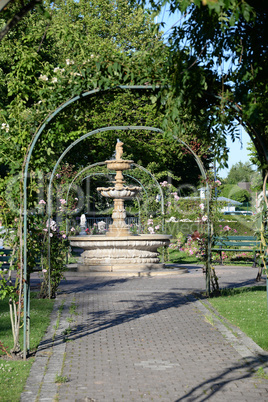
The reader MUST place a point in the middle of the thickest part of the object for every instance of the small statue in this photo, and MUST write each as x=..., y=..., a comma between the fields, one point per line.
x=119, y=150
x=101, y=227
x=83, y=224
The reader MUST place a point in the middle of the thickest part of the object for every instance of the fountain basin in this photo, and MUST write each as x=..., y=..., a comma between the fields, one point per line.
x=118, y=164
x=133, y=253
x=124, y=193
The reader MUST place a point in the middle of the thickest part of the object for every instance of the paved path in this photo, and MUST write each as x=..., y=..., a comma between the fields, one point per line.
x=145, y=339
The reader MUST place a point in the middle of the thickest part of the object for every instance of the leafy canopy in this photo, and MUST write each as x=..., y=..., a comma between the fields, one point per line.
x=228, y=41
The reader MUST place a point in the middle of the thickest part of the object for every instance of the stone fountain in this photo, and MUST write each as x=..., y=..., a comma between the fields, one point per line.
x=120, y=251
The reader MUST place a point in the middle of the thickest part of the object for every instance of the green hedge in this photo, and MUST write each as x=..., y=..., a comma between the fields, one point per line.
x=243, y=225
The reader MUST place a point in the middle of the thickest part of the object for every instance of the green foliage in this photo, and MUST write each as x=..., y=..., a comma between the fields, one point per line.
x=42, y=64
x=243, y=225
x=240, y=172
x=225, y=42
x=235, y=193
x=59, y=379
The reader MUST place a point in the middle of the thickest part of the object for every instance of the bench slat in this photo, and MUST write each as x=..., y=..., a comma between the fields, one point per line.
x=242, y=244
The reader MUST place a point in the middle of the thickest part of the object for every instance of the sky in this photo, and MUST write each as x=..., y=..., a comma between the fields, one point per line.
x=237, y=151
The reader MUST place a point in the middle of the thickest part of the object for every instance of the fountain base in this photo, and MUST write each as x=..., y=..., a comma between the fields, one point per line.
x=116, y=254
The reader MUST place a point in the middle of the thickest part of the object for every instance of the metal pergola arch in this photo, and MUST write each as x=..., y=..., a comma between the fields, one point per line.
x=25, y=174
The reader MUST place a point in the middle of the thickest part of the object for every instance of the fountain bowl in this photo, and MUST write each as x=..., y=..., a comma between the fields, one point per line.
x=124, y=193
x=119, y=164
x=133, y=253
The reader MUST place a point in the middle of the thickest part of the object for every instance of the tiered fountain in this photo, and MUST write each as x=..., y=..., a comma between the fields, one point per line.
x=120, y=251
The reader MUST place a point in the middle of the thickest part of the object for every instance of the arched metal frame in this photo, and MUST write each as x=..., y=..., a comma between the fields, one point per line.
x=25, y=174
x=69, y=148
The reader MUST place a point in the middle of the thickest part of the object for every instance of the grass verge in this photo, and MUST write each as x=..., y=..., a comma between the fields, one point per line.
x=14, y=373
x=245, y=308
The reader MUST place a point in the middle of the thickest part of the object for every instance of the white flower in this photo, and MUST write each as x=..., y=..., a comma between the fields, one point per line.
x=5, y=127
x=204, y=218
x=56, y=69
x=172, y=219
x=53, y=225
x=54, y=79
x=202, y=206
x=68, y=62
x=43, y=77
x=42, y=202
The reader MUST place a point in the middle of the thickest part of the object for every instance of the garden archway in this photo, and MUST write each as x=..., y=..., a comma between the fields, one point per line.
x=25, y=174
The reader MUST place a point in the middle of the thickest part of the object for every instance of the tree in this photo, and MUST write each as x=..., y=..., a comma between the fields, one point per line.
x=227, y=40
x=240, y=172
x=234, y=192
x=80, y=49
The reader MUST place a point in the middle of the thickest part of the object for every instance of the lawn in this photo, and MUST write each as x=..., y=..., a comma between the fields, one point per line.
x=180, y=257
x=13, y=374
x=246, y=308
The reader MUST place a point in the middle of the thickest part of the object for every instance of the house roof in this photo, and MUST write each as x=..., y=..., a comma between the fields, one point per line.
x=229, y=200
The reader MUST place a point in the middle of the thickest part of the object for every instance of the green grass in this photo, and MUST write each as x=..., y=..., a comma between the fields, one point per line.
x=14, y=373
x=180, y=257
x=246, y=308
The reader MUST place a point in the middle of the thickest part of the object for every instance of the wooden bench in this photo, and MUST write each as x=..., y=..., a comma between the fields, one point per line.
x=238, y=244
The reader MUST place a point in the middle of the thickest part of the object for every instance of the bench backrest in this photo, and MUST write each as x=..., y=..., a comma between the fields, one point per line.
x=236, y=241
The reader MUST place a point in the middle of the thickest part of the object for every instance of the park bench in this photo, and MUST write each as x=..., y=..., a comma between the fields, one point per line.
x=238, y=244
x=5, y=255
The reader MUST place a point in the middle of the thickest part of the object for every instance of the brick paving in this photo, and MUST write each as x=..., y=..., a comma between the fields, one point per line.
x=145, y=339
